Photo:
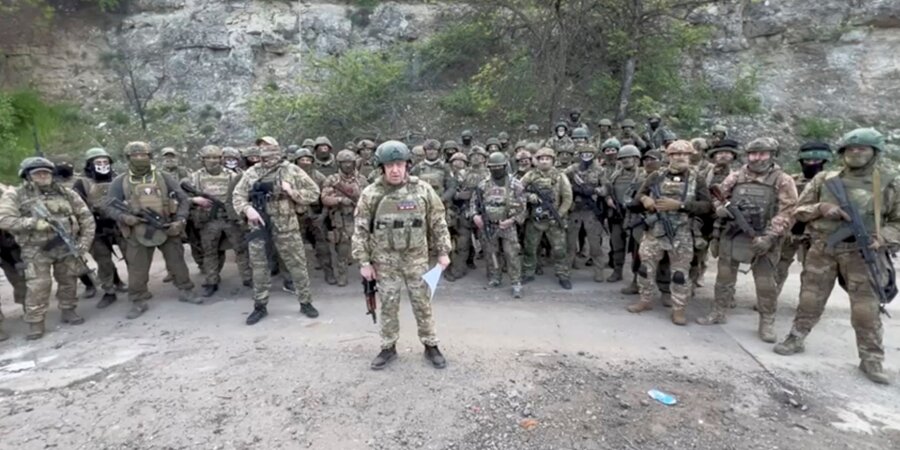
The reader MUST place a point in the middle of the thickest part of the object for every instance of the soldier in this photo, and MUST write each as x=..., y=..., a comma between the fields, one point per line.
x=466, y=138
x=171, y=165
x=698, y=160
x=145, y=187
x=719, y=133
x=397, y=220
x=548, y=190
x=10, y=260
x=503, y=137
x=40, y=252
x=587, y=180
x=763, y=198
x=875, y=194
x=532, y=134
x=325, y=161
x=93, y=186
x=251, y=157
x=610, y=151
x=651, y=162
x=231, y=159
x=812, y=157
x=675, y=193
x=492, y=145
x=459, y=162
x=309, y=144
x=604, y=132
x=523, y=163
x=312, y=215
x=628, y=135
x=449, y=148
x=656, y=133
x=725, y=156
x=366, y=151
x=64, y=176
x=434, y=171
x=340, y=192
x=498, y=207
x=623, y=185
x=574, y=122
x=213, y=221
x=561, y=141
x=462, y=251
x=418, y=154
x=270, y=195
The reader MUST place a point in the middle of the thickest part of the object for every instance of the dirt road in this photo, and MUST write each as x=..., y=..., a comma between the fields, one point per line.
x=566, y=370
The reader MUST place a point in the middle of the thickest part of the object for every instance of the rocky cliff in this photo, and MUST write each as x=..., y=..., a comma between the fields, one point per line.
x=829, y=58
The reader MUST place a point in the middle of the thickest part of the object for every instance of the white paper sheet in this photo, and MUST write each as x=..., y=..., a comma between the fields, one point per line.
x=432, y=277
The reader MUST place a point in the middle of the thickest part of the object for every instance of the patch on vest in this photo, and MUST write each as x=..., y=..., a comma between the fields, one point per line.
x=151, y=191
x=407, y=205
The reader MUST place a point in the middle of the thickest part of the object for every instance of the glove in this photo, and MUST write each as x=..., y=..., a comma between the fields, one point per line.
x=722, y=213
x=668, y=204
x=833, y=212
x=175, y=229
x=714, y=248
x=533, y=198
x=41, y=225
x=648, y=203
x=130, y=219
x=762, y=244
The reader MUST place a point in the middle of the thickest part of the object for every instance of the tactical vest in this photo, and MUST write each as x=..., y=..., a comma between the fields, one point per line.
x=433, y=174
x=757, y=200
x=327, y=168
x=215, y=186
x=149, y=192
x=589, y=179
x=624, y=186
x=681, y=187
x=95, y=192
x=860, y=190
x=59, y=206
x=400, y=220
x=497, y=199
x=545, y=182
x=342, y=215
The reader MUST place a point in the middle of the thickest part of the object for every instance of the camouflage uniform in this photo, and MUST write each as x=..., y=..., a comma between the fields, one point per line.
x=34, y=235
x=622, y=186
x=394, y=228
x=340, y=192
x=312, y=219
x=628, y=135
x=561, y=144
x=144, y=186
x=654, y=137
x=586, y=179
x=366, y=163
x=604, y=132
x=682, y=186
x=463, y=247
x=540, y=223
x=766, y=196
x=824, y=264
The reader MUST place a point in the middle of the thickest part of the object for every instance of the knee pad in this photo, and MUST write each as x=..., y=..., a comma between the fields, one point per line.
x=678, y=277
x=642, y=271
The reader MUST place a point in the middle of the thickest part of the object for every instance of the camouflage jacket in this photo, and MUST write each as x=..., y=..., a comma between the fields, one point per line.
x=555, y=180
x=341, y=192
x=785, y=191
x=63, y=204
x=281, y=206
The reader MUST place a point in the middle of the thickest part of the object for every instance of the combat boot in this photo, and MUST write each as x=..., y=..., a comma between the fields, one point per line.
x=517, y=290
x=434, y=355
x=187, y=296
x=678, y=317
x=70, y=317
x=308, y=310
x=137, y=309
x=107, y=299
x=495, y=282
x=259, y=311
x=767, y=328
x=288, y=286
x=565, y=283
x=90, y=291
x=35, y=331
x=385, y=356
x=631, y=289
x=716, y=317
x=342, y=278
x=3, y=335
x=527, y=279
x=792, y=344
x=874, y=371
x=639, y=306
x=209, y=289
x=168, y=278
x=666, y=299
x=329, y=276
x=615, y=276
x=598, y=274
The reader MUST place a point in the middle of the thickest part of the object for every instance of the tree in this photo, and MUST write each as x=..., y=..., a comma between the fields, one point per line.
x=140, y=77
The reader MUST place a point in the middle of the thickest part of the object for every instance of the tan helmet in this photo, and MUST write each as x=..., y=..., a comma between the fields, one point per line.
x=523, y=154
x=700, y=144
x=763, y=144
x=138, y=147
x=459, y=156
x=266, y=140
x=431, y=144
x=546, y=151
x=308, y=143
x=168, y=151
x=532, y=147
x=346, y=156
x=322, y=140
x=680, y=146
x=250, y=151
x=479, y=150
x=211, y=151
x=366, y=143
x=230, y=152
x=419, y=150
x=269, y=151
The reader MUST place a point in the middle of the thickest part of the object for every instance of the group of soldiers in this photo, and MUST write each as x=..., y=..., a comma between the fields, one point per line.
x=575, y=198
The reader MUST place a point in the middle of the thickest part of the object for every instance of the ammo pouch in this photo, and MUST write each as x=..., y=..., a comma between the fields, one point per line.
x=737, y=248
x=400, y=234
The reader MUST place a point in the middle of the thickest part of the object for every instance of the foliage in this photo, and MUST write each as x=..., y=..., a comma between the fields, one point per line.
x=742, y=98
x=361, y=92
x=816, y=128
x=460, y=48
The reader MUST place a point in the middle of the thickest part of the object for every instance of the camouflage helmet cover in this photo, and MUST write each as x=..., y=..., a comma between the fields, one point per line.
x=479, y=150
x=628, y=151
x=346, y=156
x=167, y=151
x=459, y=156
x=763, y=144
x=230, y=152
x=266, y=140
x=546, y=151
x=680, y=146
x=303, y=153
x=211, y=151
x=33, y=163
x=322, y=140
x=450, y=145
x=137, y=147
x=814, y=150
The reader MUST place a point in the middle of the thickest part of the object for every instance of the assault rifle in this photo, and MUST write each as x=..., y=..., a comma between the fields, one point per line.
x=587, y=194
x=545, y=204
x=217, y=205
x=488, y=227
x=369, y=289
x=662, y=218
x=736, y=214
x=259, y=197
x=39, y=211
x=855, y=231
x=151, y=218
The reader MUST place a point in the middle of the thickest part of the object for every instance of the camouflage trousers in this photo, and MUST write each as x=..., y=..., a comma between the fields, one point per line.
x=763, y=270
x=211, y=233
x=556, y=234
x=393, y=276
x=462, y=247
x=821, y=269
x=9, y=258
x=106, y=267
x=652, y=250
x=312, y=228
x=503, y=245
x=192, y=237
x=618, y=242
x=341, y=239
x=41, y=268
x=292, y=251
x=593, y=230
x=791, y=247
x=138, y=258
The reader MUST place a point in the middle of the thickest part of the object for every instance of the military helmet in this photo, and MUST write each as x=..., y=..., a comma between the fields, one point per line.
x=533, y=128
x=605, y=123
x=503, y=137
x=33, y=163
x=210, y=151
x=168, y=151
x=308, y=143
x=365, y=143
x=546, y=151
x=346, y=156
x=575, y=110
x=655, y=154
x=628, y=151
x=497, y=159
x=231, y=152
x=869, y=137
x=520, y=144
x=479, y=150
x=680, y=146
x=628, y=123
x=669, y=135
x=763, y=144
x=492, y=141
x=532, y=147
x=450, y=145
x=814, y=150
x=585, y=148
x=459, y=156
x=392, y=151
x=292, y=148
x=419, y=150
x=431, y=144
x=60, y=160
x=303, y=153
x=250, y=151
x=322, y=140
x=561, y=123
x=138, y=147
x=611, y=143
x=466, y=134
x=269, y=151
x=720, y=129
x=523, y=154
x=96, y=152
x=700, y=144
x=725, y=145
x=654, y=116
x=266, y=140
x=580, y=133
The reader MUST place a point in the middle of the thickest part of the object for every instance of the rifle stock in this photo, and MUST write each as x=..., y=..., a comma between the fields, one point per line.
x=370, y=287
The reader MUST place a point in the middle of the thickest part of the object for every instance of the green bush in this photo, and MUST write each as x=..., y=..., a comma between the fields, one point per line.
x=816, y=128
x=742, y=97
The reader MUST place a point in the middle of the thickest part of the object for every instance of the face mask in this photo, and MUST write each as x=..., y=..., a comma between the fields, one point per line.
x=498, y=173
x=856, y=160
x=64, y=171
x=347, y=168
x=103, y=169
x=588, y=157
x=810, y=170
x=654, y=125
x=139, y=166
x=560, y=132
x=231, y=164
x=213, y=167
x=466, y=140
x=679, y=166
x=170, y=163
x=759, y=166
